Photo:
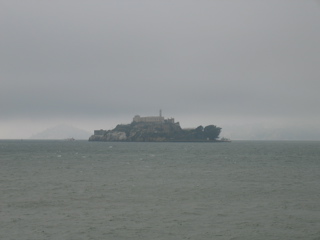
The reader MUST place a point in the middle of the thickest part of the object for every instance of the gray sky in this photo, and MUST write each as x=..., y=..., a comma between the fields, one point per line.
x=250, y=67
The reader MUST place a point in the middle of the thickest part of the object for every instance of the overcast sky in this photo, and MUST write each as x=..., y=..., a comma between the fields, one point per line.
x=242, y=65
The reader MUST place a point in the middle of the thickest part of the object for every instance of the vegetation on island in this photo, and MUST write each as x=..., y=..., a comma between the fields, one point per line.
x=157, y=132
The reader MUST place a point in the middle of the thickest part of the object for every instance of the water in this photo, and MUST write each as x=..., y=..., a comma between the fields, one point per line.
x=93, y=190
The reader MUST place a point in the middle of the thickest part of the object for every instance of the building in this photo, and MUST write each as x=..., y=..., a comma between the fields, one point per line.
x=100, y=132
x=152, y=119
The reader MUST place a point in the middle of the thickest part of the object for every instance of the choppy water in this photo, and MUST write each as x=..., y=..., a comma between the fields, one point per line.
x=92, y=190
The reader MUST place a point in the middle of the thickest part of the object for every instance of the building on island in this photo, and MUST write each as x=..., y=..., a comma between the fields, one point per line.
x=153, y=119
x=137, y=119
x=100, y=132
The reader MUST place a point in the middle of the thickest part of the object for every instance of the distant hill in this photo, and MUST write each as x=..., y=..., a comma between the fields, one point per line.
x=62, y=132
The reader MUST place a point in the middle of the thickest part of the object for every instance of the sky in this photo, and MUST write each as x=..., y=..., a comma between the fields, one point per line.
x=250, y=67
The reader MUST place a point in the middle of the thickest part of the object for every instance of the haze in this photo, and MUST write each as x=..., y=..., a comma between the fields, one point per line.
x=250, y=67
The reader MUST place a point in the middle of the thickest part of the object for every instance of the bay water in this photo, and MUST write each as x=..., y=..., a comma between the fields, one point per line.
x=115, y=190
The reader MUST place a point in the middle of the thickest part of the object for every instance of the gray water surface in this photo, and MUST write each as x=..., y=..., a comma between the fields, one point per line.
x=98, y=190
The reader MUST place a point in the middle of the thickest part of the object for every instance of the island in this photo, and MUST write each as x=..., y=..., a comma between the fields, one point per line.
x=157, y=129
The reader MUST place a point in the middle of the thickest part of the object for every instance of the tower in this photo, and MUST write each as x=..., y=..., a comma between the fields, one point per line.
x=160, y=113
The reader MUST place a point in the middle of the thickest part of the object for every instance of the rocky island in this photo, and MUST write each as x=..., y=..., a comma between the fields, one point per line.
x=156, y=129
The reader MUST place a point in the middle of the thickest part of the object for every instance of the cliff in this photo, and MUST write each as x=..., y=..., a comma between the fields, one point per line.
x=156, y=132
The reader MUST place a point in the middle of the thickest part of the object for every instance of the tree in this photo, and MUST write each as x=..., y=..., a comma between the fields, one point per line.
x=212, y=132
x=199, y=129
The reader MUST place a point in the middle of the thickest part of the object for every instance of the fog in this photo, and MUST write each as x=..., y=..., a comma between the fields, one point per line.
x=250, y=67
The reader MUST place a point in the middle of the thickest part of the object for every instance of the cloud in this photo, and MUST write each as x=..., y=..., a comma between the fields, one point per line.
x=207, y=60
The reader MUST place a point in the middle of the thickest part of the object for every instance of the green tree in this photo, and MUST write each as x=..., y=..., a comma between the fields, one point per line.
x=212, y=132
x=199, y=129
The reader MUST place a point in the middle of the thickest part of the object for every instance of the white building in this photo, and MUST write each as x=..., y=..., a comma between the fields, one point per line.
x=152, y=119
